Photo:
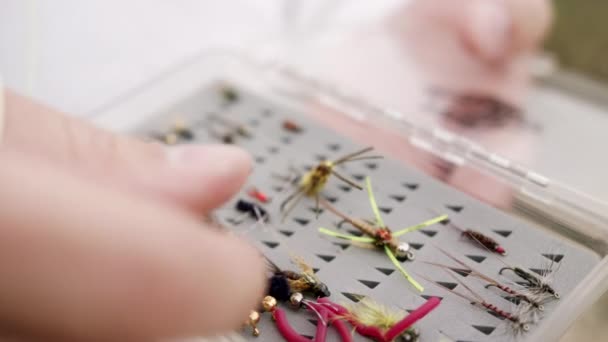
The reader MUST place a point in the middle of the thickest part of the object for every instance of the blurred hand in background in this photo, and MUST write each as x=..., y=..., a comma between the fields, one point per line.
x=479, y=49
x=478, y=46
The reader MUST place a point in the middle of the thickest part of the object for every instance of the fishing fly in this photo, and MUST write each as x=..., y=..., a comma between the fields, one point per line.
x=291, y=126
x=229, y=94
x=480, y=239
x=290, y=285
x=518, y=322
x=484, y=240
x=256, y=193
x=178, y=132
x=313, y=182
x=252, y=321
x=325, y=317
x=380, y=235
x=229, y=130
x=539, y=284
x=381, y=323
x=250, y=209
x=536, y=284
x=535, y=301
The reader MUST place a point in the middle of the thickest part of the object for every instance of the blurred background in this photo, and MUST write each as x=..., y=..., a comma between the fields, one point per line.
x=578, y=38
x=81, y=55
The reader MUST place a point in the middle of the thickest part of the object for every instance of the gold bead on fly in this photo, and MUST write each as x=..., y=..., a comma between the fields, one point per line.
x=269, y=303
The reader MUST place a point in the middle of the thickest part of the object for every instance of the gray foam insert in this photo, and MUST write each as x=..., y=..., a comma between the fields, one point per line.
x=407, y=197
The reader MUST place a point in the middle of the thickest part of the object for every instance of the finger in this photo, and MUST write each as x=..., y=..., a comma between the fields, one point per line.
x=182, y=174
x=532, y=20
x=436, y=37
x=80, y=261
x=498, y=29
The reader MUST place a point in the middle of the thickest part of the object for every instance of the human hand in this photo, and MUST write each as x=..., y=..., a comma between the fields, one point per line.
x=468, y=47
x=480, y=48
x=101, y=235
x=475, y=46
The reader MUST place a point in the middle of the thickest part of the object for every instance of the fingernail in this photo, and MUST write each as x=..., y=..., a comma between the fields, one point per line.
x=490, y=28
x=216, y=159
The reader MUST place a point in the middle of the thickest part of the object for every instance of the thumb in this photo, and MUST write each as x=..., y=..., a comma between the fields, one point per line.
x=89, y=263
x=185, y=175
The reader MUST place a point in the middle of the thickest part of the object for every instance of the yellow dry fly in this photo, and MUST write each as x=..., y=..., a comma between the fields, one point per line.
x=313, y=182
x=371, y=313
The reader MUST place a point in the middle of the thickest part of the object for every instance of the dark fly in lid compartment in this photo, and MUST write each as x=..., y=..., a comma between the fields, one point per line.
x=285, y=144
